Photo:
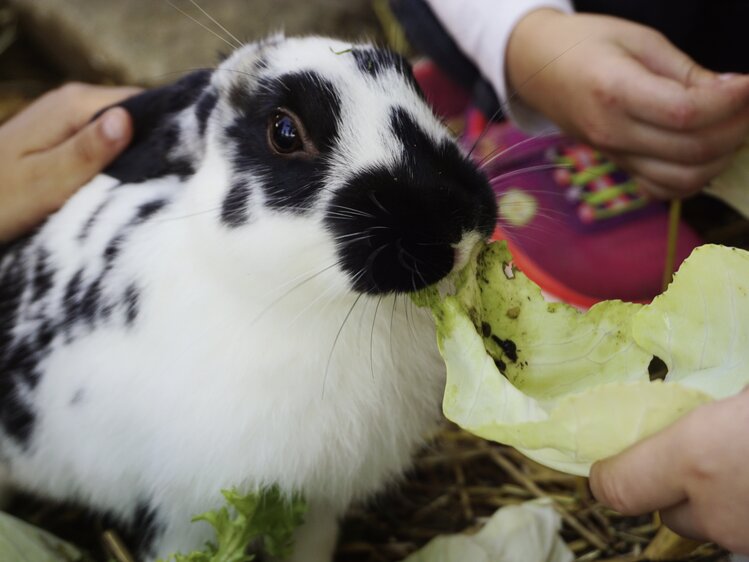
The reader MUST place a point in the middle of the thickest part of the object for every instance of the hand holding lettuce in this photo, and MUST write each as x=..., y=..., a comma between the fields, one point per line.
x=568, y=388
x=694, y=472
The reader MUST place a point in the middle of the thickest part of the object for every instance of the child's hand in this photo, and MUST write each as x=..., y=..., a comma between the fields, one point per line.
x=625, y=89
x=50, y=149
x=695, y=472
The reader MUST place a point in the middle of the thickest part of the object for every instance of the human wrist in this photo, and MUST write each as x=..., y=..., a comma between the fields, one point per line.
x=531, y=46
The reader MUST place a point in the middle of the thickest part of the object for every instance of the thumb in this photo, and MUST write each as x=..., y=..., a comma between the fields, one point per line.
x=70, y=165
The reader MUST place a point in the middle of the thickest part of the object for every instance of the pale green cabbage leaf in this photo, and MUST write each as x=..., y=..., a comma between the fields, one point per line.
x=732, y=186
x=22, y=542
x=529, y=532
x=569, y=388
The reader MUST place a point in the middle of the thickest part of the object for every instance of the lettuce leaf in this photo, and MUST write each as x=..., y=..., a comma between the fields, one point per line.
x=700, y=326
x=267, y=516
x=569, y=388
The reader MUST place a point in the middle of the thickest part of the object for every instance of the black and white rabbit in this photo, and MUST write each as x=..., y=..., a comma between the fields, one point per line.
x=225, y=306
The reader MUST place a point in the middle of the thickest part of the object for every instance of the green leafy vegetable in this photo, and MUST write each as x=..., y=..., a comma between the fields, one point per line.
x=700, y=326
x=268, y=516
x=568, y=388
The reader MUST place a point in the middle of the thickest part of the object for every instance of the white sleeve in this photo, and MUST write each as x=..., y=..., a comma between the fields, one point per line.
x=482, y=29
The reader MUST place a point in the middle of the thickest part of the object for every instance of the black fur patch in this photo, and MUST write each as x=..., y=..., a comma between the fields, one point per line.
x=26, y=272
x=131, y=301
x=18, y=359
x=73, y=291
x=235, y=208
x=156, y=131
x=112, y=250
x=138, y=531
x=86, y=230
x=91, y=302
x=203, y=109
x=18, y=376
x=42, y=280
x=289, y=183
x=145, y=528
x=88, y=304
x=77, y=397
x=147, y=210
x=396, y=226
x=142, y=214
x=376, y=61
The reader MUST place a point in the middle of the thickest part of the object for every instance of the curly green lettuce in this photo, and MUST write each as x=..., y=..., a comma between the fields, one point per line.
x=268, y=517
x=569, y=388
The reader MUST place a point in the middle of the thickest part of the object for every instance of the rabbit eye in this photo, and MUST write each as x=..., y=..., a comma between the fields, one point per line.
x=284, y=134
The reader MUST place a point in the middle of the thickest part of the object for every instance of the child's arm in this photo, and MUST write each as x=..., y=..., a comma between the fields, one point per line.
x=482, y=30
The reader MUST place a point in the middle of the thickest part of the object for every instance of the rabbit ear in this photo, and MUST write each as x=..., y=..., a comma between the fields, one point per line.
x=153, y=151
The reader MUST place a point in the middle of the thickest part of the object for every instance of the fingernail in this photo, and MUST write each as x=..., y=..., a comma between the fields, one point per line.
x=114, y=124
x=727, y=76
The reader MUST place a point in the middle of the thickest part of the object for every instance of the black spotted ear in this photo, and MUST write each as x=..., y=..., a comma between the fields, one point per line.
x=151, y=153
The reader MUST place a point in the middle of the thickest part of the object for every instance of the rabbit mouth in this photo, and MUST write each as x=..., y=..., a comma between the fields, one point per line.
x=395, y=235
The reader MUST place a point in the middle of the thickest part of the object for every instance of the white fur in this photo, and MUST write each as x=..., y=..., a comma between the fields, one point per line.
x=231, y=377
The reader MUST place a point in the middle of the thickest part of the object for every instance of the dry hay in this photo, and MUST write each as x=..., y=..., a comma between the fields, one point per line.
x=461, y=480
x=457, y=483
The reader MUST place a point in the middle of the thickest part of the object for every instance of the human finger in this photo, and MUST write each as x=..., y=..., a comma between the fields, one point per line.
x=77, y=160
x=683, y=521
x=676, y=178
x=642, y=478
x=666, y=103
x=57, y=115
x=697, y=147
x=663, y=58
x=654, y=190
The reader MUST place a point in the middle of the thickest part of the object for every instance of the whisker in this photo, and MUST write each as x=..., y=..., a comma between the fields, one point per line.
x=322, y=296
x=188, y=216
x=221, y=27
x=536, y=191
x=489, y=158
x=530, y=232
x=287, y=293
x=357, y=212
x=409, y=322
x=335, y=342
x=373, y=198
x=506, y=104
x=201, y=24
x=371, y=337
x=392, y=319
x=159, y=77
x=343, y=215
x=529, y=169
x=359, y=238
x=546, y=213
